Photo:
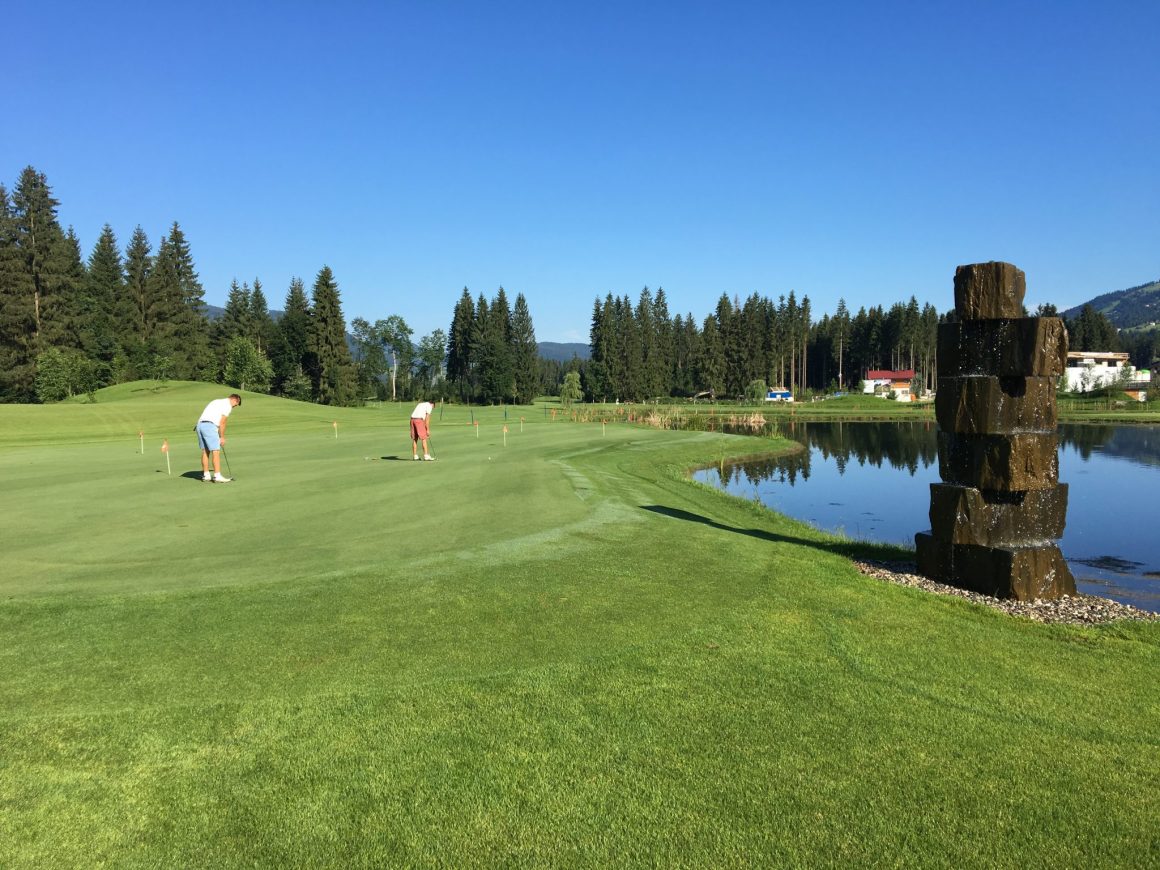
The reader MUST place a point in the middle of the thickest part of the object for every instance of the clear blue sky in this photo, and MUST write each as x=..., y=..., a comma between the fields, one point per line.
x=569, y=150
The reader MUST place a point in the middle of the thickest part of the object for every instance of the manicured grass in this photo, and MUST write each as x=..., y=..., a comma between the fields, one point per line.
x=555, y=652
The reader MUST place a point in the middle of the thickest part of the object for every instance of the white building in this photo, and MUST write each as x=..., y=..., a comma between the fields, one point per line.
x=1092, y=369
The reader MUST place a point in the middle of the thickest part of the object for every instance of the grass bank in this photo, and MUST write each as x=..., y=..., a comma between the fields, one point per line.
x=558, y=651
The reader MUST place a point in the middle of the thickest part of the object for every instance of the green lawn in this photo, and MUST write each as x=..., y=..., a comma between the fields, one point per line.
x=558, y=652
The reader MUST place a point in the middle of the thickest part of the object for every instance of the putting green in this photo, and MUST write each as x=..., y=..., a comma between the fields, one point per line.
x=554, y=651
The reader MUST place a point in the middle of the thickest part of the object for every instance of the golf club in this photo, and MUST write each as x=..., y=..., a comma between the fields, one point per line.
x=229, y=471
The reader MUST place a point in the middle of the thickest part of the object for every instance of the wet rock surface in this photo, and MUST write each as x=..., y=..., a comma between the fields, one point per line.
x=1001, y=462
x=965, y=515
x=985, y=405
x=1000, y=506
x=1034, y=347
x=989, y=290
x=1071, y=609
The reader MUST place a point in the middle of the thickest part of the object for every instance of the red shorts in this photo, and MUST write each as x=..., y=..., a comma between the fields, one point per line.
x=418, y=429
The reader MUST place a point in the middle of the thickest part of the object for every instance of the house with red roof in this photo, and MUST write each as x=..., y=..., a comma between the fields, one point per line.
x=887, y=381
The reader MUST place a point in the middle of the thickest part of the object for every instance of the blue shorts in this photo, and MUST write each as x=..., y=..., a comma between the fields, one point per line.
x=207, y=436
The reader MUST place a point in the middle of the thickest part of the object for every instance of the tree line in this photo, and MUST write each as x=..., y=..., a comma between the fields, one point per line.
x=639, y=352
x=70, y=326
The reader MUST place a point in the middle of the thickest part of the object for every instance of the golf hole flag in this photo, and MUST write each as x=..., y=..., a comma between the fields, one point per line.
x=165, y=450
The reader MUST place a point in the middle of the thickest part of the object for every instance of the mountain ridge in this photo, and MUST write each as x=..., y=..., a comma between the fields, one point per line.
x=1137, y=306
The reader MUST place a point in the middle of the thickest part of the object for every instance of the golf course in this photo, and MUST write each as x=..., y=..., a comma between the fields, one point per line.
x=546, y=648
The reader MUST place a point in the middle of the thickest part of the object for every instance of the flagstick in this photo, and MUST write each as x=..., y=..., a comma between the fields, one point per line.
x=165, y=450
x=335, y=430
x=141, y=435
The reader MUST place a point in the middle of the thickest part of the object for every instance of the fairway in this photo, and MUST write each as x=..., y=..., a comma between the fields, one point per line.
x=551, y=651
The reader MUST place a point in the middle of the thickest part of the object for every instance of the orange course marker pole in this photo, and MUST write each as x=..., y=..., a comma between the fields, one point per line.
x=165, y=450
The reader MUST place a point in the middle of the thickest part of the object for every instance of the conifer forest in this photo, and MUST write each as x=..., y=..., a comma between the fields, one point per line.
x=71, y=324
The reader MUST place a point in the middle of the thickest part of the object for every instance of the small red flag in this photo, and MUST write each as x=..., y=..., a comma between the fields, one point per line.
x=165, y=446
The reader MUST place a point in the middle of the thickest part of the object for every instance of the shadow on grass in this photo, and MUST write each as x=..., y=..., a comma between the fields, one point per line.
x=848, y=549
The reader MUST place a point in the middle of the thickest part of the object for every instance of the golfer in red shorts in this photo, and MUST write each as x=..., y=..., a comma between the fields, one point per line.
x=420, y=420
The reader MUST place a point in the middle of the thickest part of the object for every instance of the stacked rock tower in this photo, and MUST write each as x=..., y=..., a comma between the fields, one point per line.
x=1000, y=506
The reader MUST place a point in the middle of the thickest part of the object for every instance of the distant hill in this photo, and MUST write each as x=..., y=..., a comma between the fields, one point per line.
x=1134, y=307
x=562, y=352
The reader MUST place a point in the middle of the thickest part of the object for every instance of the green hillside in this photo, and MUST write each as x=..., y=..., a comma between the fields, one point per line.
x=1134, y=307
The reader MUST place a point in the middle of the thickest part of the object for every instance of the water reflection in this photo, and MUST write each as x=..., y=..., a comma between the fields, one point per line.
x=871, y=481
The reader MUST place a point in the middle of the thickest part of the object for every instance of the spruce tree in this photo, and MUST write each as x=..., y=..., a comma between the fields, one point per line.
x=650, y=380
x=105, y=294
x=596, y=373
x=477, y=345
x=663, y=363
x=133, y=306
x=179, y=331
x=262, y=326
x=75, y=329
x=43, y=292
x=497, y=373
x=459, y=345
x=711, y=362
x=334, y=375
x=840, y=327
x=17, y=314
x=291, y=354
x=232, y=324
x=525, y=353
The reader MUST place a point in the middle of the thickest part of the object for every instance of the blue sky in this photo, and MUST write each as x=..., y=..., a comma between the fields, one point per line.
x=569, y=150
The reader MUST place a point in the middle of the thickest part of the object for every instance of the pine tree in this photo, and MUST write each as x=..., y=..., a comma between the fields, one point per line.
x=459, y=363
x=291, y=354
x=711, y=362
x=106, y=293
x=664, y=348
x=179, y=331
x=525, y=353
x=496, y=369
x=17, y=314
x=630, y=353
x=334, y=376
x=804, y=328
x=132, y=309
x=76, y=309
x=262, y=326
x=596, y=374
x=233, y=323
x=41, y=297
x=840, y=326
x=733, y=351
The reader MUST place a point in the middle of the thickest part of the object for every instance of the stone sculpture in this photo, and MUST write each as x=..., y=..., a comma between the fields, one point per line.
x=1000, y=507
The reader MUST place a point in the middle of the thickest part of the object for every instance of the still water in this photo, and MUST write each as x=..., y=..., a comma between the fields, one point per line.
x=870, y=481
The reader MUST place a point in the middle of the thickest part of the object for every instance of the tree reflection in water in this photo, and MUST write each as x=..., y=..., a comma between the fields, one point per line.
x=871, y=481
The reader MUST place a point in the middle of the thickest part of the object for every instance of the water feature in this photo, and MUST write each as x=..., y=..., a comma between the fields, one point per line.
x=871, y=481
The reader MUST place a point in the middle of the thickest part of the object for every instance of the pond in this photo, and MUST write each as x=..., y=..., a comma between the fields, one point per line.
x=871, y=481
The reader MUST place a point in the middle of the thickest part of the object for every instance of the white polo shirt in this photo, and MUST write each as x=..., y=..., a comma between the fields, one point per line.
x=215, y=410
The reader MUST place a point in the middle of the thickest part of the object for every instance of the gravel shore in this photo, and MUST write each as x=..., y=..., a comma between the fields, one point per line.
x=1074, y=610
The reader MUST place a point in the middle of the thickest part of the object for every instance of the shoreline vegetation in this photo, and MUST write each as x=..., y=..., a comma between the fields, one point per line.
x=570, y=654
